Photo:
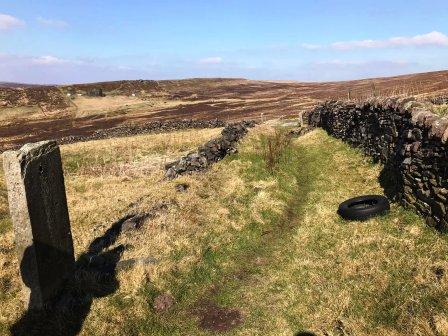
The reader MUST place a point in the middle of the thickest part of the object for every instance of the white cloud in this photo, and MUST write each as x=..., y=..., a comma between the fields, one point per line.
x=211, y=60
x=311, y=46
x=431, y=39
x=50, y=60
x=8, y=22
x=434, y=38
x=355, y=69
x=51, y=70
x=124, y=67
x=340, y=63
x=52, y=23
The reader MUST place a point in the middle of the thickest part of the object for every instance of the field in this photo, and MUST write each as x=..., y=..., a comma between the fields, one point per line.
x=33, y=114
x=253, y=246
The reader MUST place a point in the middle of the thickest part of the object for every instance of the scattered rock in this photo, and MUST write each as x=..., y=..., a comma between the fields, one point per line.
x=182, y=187
x=134, y=222
x=131, y=224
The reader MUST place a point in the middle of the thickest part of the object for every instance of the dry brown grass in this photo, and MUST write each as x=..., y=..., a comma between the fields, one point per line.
x=13, y=113
x=269, y=244
x=103, y=180
x=273, y=146
x=111, y=105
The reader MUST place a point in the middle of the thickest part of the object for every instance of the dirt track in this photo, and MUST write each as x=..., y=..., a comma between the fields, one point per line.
x=225, y=99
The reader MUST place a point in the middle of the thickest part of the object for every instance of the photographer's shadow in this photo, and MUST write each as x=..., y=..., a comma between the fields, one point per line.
x=94, y=277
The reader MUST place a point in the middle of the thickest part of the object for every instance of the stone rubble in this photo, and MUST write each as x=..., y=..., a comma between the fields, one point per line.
x=211, y=152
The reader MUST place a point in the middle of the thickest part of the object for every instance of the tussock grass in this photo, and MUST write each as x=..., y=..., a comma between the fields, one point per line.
x=266, y=242
x=441, y=110
x=273, y=146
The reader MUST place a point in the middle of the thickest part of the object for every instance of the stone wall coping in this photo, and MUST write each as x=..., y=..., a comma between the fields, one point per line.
x=419, y=112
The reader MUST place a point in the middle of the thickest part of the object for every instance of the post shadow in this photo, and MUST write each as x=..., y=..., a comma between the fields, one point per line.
x=94, y=277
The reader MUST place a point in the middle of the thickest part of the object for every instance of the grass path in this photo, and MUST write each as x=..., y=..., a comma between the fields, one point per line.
x=305, y=269
x=330, y=276
x=248, y=251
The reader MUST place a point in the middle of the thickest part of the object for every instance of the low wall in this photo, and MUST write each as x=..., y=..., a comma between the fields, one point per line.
x=409, y=140
x=211, y=152
x=146, y=128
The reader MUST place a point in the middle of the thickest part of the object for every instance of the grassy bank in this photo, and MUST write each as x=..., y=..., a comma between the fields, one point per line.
x=296, y=266
x=253, y=248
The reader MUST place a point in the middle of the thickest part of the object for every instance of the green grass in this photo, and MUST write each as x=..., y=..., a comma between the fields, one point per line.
x=281, y=255
x=320, y=274
x=441, y=110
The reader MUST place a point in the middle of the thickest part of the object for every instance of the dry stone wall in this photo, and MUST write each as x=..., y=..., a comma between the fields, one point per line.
x=146, y=128
x=407, y=138
x=211, y=152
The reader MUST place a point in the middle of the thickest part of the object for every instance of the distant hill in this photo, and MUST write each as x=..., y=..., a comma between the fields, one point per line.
x=61, y=98
x=17, y=85
x=30, y=113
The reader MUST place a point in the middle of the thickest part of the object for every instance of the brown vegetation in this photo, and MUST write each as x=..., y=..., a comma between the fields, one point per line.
x=273, y=146
x=38, y=113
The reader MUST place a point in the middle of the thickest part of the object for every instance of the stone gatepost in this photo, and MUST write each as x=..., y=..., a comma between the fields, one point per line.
x=38, y=207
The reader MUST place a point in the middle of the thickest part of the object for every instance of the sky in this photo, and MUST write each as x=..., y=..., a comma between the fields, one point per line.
x=58, y=41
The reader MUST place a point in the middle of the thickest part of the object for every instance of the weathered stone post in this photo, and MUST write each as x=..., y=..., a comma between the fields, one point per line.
x=38, y=207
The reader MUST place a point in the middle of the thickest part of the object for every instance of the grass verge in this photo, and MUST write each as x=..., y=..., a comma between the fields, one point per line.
x=297, y=266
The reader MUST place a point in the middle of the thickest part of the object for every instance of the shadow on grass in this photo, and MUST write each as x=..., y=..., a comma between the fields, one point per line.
x=94, y=277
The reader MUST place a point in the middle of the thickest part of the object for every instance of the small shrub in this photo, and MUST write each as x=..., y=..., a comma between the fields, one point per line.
x=273, y=147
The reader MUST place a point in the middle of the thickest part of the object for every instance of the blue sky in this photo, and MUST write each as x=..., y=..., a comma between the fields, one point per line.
x=43, y=41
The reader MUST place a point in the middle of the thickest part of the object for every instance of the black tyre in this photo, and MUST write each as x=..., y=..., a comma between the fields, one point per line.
x=364, y=207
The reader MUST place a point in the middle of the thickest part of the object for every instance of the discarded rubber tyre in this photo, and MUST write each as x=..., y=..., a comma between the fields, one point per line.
x=364, y=207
